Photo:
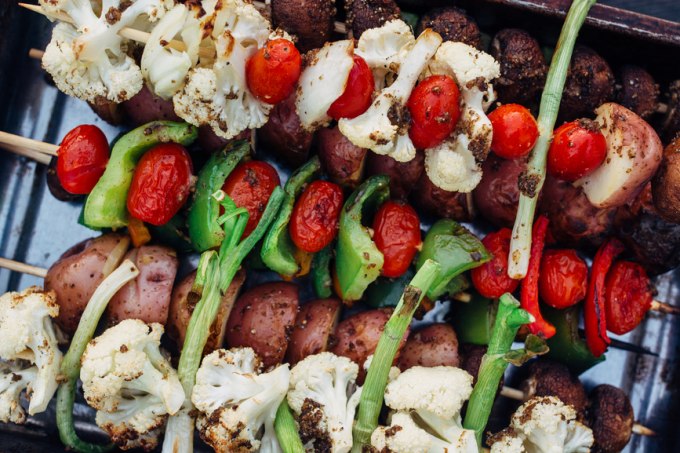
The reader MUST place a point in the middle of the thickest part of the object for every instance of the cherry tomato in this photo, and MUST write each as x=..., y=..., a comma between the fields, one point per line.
x=434, y=106
x=273, y=71
x=577, y=149
x=314, y=221
x=82, y=158
x=491, y=278
x=628, y=296
x=250, y=185
x=356, y=98
x=397, y=236
x=514, y=131
x=161, y=184
x=563, y=279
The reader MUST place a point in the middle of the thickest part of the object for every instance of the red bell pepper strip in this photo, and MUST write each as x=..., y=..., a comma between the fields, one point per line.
x=529, y=293
x=594, y=314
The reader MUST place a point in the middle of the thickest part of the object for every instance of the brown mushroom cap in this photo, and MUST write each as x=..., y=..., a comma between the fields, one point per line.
x=523, y=66
x=453, y=24
x=365, y=14
x=312, y=23
x=548, y=378
x=638, y=91
x=611, y=418
x=671, y=125
x=666, y=182
x=590, y=83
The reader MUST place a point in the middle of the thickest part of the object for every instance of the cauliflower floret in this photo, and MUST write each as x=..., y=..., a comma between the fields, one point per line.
x=28, y=335
x=237, y=402
x=452, y=166
x=383, y=128
x=384, y=48
x=507, y=441
x=88, y=59
x=15, y=377
x=225, y=103
x=324, y=397
x=433, y=398
x=323, y=81
x=405, y=436
x=130, y=383
x=545, y=425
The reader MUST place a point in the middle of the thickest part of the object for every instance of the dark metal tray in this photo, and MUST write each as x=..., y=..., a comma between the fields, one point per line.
x=36, y=228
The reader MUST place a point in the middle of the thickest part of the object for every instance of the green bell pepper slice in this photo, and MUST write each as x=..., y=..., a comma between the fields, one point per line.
x=321, y=272
x=205, y=231
x=278, y=250
x=106, y=206
x=473, y=321
x=358, y=261
x=455, y=249
x=173, y=233
x=386, y=292
x=566, y=345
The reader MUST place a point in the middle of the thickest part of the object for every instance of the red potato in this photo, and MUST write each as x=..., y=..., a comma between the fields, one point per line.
x=209, y=141
x=147, y=297
x=634, y=152
x=442, y=203
x=145, y=106
x=434, y=345
x=283, y=134
x=184, y=301
x=312, y=330
x=79, y=271
x=403, y=175
x=341, y=160
x=262, y=319
x=497, y=195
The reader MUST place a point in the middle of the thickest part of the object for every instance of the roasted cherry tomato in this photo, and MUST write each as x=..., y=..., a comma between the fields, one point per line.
x=563, y=280
x=273, y=71
x=628, y=296
x=314, y=221
x=514, y=131
x=82, y=158
x=577, y=149
x=356, y=98
x=491, y=278
x=161, y=184
x=434, y=106
x=250, y=185
x=397, y=236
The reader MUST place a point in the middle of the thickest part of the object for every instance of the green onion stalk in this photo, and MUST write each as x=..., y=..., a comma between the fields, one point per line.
x=286, y=430
x=531, y=182
x=70, y=366
x=373, y=392
x=215, y=272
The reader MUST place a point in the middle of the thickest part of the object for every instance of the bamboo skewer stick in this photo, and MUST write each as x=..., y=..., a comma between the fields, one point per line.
x=24, y=268
x=34, y=155
x=28, y=143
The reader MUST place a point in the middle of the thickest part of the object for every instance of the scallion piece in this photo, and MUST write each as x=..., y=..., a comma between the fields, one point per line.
x=286, y=430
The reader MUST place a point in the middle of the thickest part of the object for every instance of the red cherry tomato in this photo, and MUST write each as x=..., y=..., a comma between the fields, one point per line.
x=314, y=221
x=356, y=98
x=577, y=149
x=514, y=131
x=563, y=279
x=250, y=185
x=628, y=296
x=491, y=278
x=82, y=158
x=161, y=184
x=397, y=236
x=273, y=71
x=434, y=106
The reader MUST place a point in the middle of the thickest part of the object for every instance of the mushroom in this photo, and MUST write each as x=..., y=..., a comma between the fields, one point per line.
x=453, y=24
x=589, y=84
x=611, y=418
x=365, y=14
x=637, y=91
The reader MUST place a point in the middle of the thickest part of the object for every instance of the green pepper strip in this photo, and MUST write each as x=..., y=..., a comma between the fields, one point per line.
x=532, y=180
x=204, y=230
x=386, y=292
x=286, y=430
x=70, y=366
x=473, y=321
x=455, y=249
x=509, y=319
x=358, y=261
x=373, y=391
x=567, y=346
x=321, y=272
x=106, y=206
x=278, y=250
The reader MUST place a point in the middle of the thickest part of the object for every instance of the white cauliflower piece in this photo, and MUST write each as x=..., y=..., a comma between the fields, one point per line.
x=452, y=166
x=237, y=402
x=28, y=335
x=163, y=67
x=431, y=397
x=88, y=59
x=545, y=425
x=15, y=377
x=383, y=128
x=130, y=383
x=324, y=397
x=322, y=82
x=218, y=95
x=384, y=48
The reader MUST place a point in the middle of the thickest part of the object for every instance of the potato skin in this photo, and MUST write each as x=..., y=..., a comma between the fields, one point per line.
x=441, y=203
x=434, y=345
x=262, y=319
x=145, y=106
x=283, y=134
x=666, y=183
x=341, y=160
x=310, y=21
x=75, y=276
x=497, y=195
x=147, y=297
x=184, y=301
x=403, y=175
x=314, y=324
